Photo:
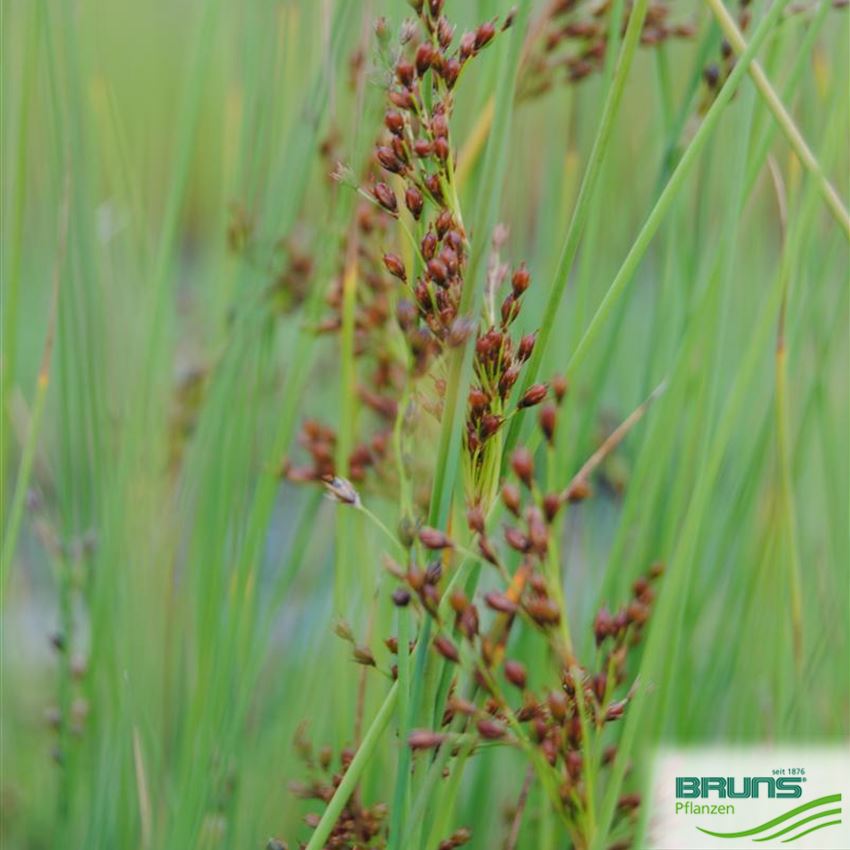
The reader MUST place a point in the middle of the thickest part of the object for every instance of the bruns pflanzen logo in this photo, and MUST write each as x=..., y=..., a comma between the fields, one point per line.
x=757, y=798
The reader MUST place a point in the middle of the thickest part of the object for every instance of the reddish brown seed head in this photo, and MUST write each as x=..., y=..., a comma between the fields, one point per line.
x=548, y=419
x=533, y=395
x=578, y=491
x=515, y=673
x=603, y=626
x=395, y=266
x=414, y=201
x=491, y=730
x=446, y=648
x=402, y=99
x=516, y=539
x=385, y=197
x=484, y=35
x=433, y=538
x=551, y=506
x=467, y=45
x=423, y=148
x=522, y=463
x=424, y=739
x=510, y=309
x=424, y=58
x=389, y=160
x=404, y=71
x=490, y=423
x=526, y=347
x=559, y=387
x=511, y=497
x=478, y=399
x=432, y=184
x=401, y=597
x=543, y=611
x=475, y=519
x=458, y=601
x=500, y=602
x=429, y=245
x=441, y=149
x=394, y=122
x=437, y=270
x=557, y=702
x=520, y=280
x=451, y=71
x=440, y=126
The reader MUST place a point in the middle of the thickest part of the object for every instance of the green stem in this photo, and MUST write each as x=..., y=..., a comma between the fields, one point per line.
x=355, y=769
x=785, y=121
x=662, y=205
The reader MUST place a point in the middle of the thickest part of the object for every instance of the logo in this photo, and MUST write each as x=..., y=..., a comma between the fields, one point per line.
x=755, y=798
x=744, y=789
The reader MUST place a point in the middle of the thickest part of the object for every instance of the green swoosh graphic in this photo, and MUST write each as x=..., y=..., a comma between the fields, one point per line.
x=830, y=798
x=799, y=823
x=813, y=829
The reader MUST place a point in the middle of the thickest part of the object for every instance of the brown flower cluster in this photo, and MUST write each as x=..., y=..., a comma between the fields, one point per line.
x=571, y=38
x=358, y=825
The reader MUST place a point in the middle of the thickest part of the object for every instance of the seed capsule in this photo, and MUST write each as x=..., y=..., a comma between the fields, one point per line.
x=385, y=197
x=557, y=702
x=520, y=280
x=404, y=71
x=487, y=550
x=526, y=347
x=578, y=491
x=516, y=539
x=490, y=423
x=429, y=245
x=467, y=45
x=423, y=148
x=389, y=160
x=363, y=655
x=603, y=626
x=402, y=99
x=451, y=71
x=395, y=266
x=432, y=184
x=437, y=270
x=484, y=35
x=533, y=395
x=515, y=673
x=548, y=419
x=401, y=598
x=440, y=126
x=501, y=603
x=475, y=519
x=522, y=464
x=394, y=122
x=543, y=611
x=424, y=58
x=433, y=538
x=492, y=730
x=424, y=739
x=551, y=506
x=414, y=201
x=511, y=498
x=446, y=648
x=559, y=387
x=478, y=399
